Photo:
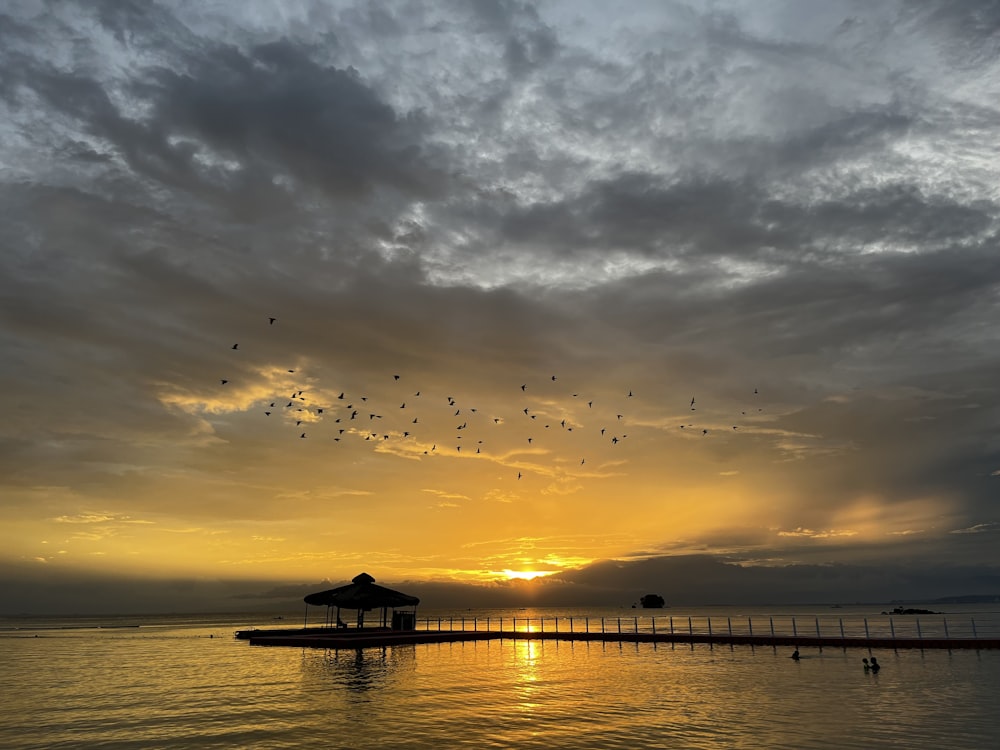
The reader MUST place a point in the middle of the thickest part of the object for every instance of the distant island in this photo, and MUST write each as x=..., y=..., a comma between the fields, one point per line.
x=911, y=611
x=652, y=601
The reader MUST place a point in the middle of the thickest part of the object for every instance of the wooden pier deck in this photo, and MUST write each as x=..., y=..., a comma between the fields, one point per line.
x=381, y=637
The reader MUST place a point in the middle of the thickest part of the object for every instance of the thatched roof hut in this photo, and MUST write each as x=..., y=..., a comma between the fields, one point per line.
x=363, y=594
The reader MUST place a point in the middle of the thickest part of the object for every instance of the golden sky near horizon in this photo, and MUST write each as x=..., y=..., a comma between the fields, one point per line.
x=518, y=241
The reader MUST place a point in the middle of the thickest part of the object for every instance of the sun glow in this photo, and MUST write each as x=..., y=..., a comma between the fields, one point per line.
x=527, y=575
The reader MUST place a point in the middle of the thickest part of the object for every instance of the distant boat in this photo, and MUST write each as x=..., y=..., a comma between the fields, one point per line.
x=652, y=601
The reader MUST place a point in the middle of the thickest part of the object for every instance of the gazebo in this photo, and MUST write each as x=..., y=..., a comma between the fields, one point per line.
x=363, y=594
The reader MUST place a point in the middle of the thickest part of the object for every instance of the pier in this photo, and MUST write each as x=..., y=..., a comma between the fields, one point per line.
x=865, y=633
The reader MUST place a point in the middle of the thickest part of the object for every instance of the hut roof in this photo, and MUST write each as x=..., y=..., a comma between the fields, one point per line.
x=362, y=593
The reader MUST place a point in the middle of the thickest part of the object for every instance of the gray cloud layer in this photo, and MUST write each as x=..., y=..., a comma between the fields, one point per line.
x=801, y=196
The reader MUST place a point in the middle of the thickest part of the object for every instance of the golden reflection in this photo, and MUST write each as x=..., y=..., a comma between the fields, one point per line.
x=526, y=653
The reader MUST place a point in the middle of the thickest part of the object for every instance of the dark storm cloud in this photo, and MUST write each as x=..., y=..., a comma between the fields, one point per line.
x=276, y=108
x=272, y=110
x=702, y=218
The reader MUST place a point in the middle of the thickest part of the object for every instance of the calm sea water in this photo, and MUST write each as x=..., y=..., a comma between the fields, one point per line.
x=185, y=682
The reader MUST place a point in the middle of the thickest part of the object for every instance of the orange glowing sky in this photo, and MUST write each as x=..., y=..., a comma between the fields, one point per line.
x=519, y=243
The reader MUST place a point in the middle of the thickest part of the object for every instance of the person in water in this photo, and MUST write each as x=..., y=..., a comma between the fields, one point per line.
x=867, y=665
x=875, y=666
x=795, y=654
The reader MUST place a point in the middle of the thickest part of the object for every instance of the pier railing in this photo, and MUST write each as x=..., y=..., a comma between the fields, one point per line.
x=885, y=627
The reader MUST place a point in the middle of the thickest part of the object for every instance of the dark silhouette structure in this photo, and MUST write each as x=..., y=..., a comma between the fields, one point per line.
x=364, y=595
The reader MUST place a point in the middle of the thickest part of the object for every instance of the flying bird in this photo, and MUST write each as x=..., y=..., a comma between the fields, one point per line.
x=223, y=381
x=236, y=346
x=270, y=321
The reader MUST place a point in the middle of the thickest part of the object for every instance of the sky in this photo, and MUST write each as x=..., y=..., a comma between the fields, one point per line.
x=612, y=297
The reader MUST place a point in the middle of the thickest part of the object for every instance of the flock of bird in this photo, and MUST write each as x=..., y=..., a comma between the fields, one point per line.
x=356, y=416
